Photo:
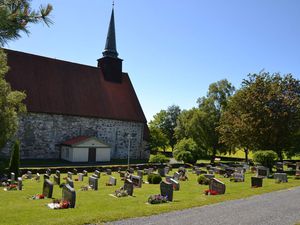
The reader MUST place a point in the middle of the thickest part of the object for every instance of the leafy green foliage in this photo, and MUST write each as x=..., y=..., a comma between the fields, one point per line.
x=15, y=15
x=10, y=105
x=158, y=139
x=14, y=163
x=186, y=150
x=154, y=178
x=264, y=114
x=159, y=158
x=266, y=158
x=166, y=121
x=203, y=180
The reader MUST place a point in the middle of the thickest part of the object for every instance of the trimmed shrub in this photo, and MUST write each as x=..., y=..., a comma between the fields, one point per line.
x=203, y=180
x=154, y=178
x=186, y=150
x=265, y=158
x=159, y=158
x=14, y=163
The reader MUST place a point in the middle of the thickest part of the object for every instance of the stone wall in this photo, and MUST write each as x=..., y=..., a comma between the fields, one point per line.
x=41, y=135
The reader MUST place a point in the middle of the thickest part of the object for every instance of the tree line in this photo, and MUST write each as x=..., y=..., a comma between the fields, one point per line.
x=264, y=114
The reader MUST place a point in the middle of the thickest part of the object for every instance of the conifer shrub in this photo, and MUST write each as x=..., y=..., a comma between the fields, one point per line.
x=14, y=163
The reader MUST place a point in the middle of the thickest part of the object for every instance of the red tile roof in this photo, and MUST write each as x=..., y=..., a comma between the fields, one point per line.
x=59, y=87
x=76, y=140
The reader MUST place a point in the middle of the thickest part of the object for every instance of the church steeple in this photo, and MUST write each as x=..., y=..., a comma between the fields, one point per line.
x=110, y=49
x=110, y=64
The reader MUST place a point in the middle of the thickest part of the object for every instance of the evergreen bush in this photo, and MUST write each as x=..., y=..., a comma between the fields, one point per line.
x=265, y=158
x=14, y=163
x=203, y=180
x=159, y=158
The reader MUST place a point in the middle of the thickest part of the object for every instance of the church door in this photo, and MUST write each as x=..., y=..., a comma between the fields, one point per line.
x=92, y=155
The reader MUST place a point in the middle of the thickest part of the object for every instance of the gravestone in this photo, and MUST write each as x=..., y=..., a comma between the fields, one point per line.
x=97, y=173
x=74, y=171
x=237, y=177
x=175, y=183
x=69, y=194
x=85, y=173
x=131, y=170
x=211, y=172
x=12, y=177
x=20, y=183
x=47, y=188
x=281, y=177
x=93, y=183
x=38, y=177
x=161, y=172
x=136, y=180
x=56, y=179
x=108, y=171
x=262, y=171
x=70, y=175
x=70, y=182
x=176, y=175
x=229, y=171
x=217, y=185
x=122, y=175
x=46, y=176
x=80, y=176
x=48, y=172
x=140, y=173
x=279, y=167
x=167, y=170
x=297, y=169
x=57, y=173
x=112, y=181
x=256, y=181
x=166, y=189
x=239, y=170
x=29, y=174
x=128, y=186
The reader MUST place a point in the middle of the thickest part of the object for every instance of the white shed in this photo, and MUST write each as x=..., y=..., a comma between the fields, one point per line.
x=85, y=149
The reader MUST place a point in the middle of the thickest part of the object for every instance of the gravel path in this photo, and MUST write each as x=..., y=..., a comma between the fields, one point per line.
x=276, y=208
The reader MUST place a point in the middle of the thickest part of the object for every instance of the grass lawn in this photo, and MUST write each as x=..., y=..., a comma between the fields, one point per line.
x=98, y=206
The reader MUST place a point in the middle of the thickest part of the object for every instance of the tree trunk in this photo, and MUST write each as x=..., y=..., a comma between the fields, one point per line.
x=212, y=159
x=246, y=154
x=280, y=155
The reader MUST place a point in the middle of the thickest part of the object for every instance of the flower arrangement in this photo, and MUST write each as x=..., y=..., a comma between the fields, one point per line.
x=59, y=204
x=84, y=188
x=121, y=193
x=210, y=192
x=38, y=196
x=157, y=199
x=11, y=187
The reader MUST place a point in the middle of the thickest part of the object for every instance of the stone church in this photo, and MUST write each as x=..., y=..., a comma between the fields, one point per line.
x=78, y=106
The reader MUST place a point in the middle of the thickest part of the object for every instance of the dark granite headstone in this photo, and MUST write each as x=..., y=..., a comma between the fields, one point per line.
x=46, y=176
x=136, y=180
x=47, y=188
x=279, y=167
x=256, y=181
x=131, y=170
x=161, y=172
x=74, y=171
x=69, y=194
x=217, y=185
x=56, y=179
x=97, y=173
x=20, y=185
x=128, y=186
x=108, y=171
x=70, y=175
x=70, y=182
x=166, y=189
x=93, y=183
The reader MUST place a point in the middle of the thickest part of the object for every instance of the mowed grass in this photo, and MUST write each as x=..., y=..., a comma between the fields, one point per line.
x=99, y=206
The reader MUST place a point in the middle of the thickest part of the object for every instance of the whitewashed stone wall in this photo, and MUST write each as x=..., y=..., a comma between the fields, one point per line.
x=40, y=135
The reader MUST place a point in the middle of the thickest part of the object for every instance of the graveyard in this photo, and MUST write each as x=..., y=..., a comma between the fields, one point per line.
x=98, y=203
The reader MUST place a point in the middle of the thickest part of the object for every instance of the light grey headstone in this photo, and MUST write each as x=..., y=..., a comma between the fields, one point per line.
x=70, y=175
x=20, y=183
x=112, y=181
x=93, y=183
x=137, y=181
x=80, y=176
x=282, y=177
x=108, y=171
x=70, y=182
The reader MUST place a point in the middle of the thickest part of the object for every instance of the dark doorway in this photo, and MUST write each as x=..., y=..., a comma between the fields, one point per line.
x=92, y=155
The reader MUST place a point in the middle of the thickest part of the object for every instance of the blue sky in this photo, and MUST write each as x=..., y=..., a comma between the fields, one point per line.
x=173, y=50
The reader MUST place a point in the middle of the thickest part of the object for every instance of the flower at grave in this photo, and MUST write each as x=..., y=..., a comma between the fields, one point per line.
x=121, y=193
x=11, y=187
x=210, y=192
x=157, y=199
x=64, y=204
x=84, y=188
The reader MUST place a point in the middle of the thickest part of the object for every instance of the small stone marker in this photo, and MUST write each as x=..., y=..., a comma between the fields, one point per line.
x=166, y=189
x=262, y=171
x=128, y=186
x=80, y=176
x=38, y=177
x=237, y=177
x=281, y=177
x=97, y=173
x=175, y=183
x=85, y=173
x=108, y=171
x=112, y=181
x=69, y=194
x=70, y=175
x=217, y=185
x=20, y=183
x=256, y=181
x=29, y=174
x=136, y=180
x=70, y=182
x=93, y=183
x=74, y=171
x=47, y=188
x=12, y=177
x=48, y=172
